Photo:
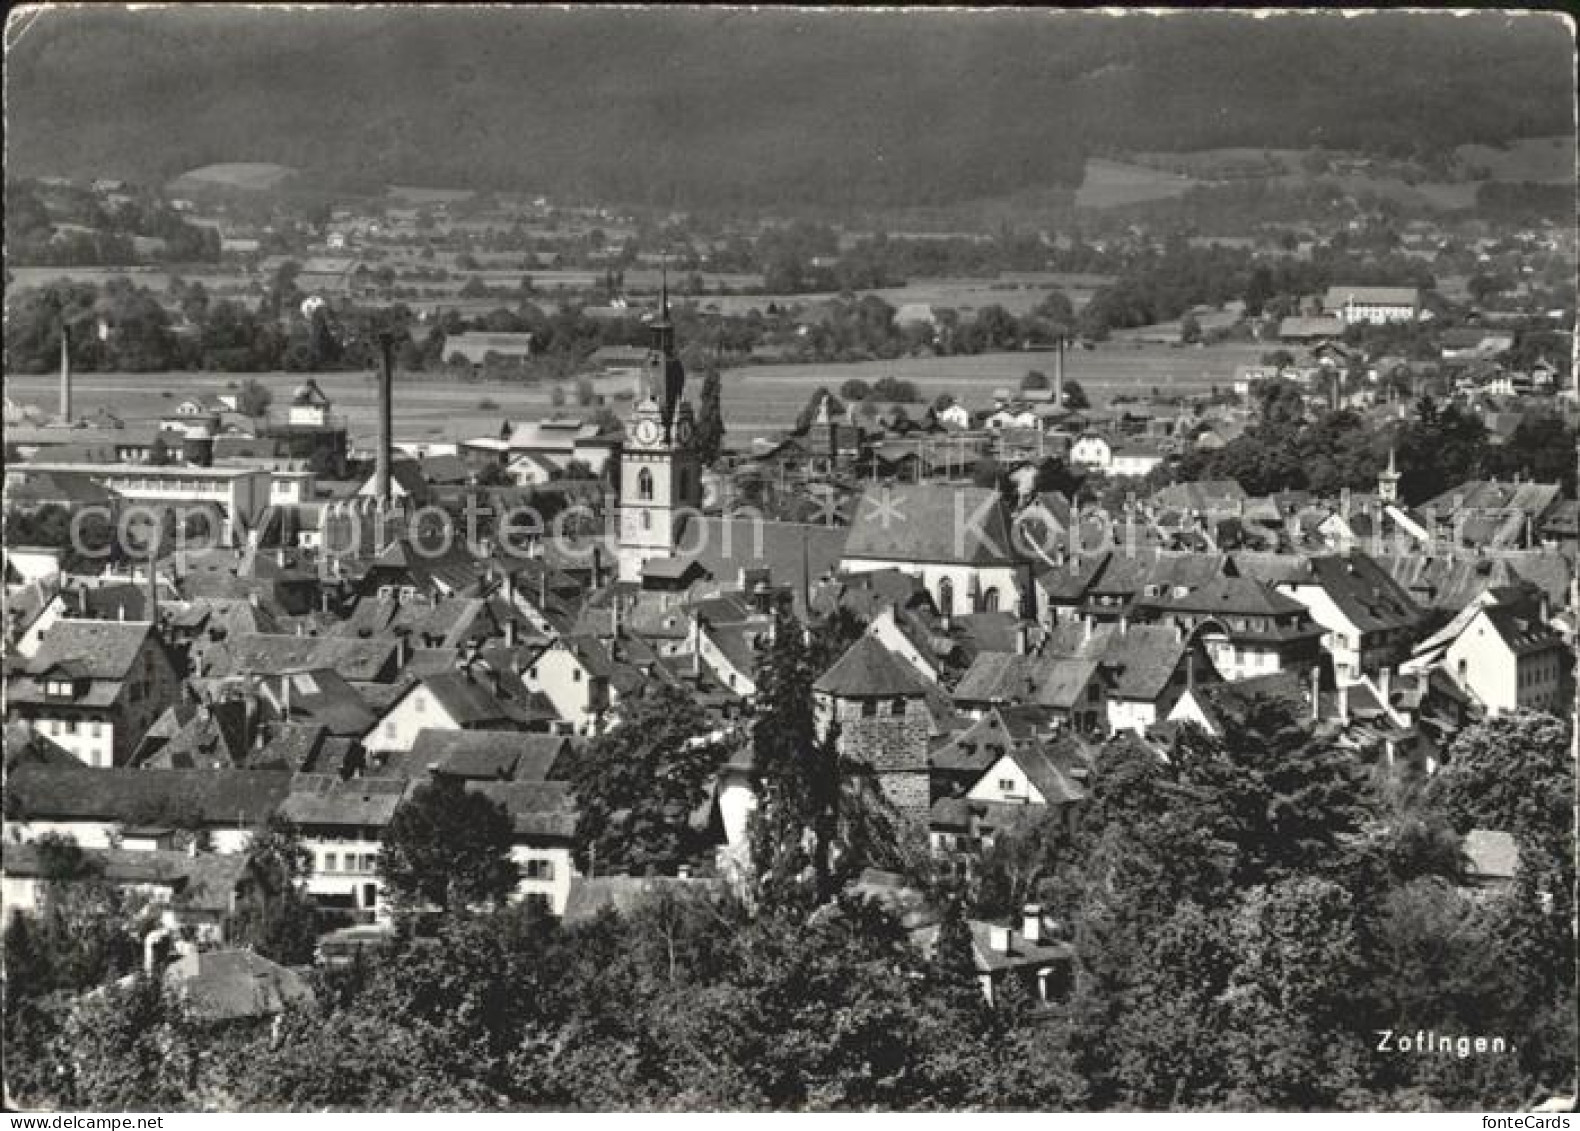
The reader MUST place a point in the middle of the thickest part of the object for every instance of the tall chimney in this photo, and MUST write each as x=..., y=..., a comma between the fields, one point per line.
x=65, y=373
x=381, y=474
x=1058, y=375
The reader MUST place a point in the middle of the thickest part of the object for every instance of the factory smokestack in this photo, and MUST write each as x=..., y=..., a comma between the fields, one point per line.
x=381, y=480
x=1058, y=375
x=65, y=373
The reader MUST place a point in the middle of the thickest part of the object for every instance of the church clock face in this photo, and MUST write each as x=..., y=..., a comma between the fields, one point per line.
x=683, y=431
x=647, y=432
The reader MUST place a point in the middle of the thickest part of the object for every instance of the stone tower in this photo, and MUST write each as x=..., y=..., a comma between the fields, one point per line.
x=879, y=703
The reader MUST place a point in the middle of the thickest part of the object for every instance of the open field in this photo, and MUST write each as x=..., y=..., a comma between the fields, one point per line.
x=764, y=398
x=1017, y=293
x=254, y=176
x=757, y=399
x=1108, y=184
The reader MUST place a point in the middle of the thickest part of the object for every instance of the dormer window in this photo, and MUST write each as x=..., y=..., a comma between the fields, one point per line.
x=57, y=688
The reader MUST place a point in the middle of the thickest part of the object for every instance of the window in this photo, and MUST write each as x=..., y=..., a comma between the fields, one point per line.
x=897, y=708
x=96, y=729
x=54, y=726
x=869, y=708
x=1006, y=785
x=647, y=521
x=946, y=596
x=71, y=726
x=576, y=675
x=1092, y=692
x=331, y=860
x=539, y=870
x=644, y=484
x=990, y=601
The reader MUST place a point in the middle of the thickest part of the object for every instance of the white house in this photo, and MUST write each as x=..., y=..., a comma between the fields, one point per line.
x=1092, y=452
x=1376, y=305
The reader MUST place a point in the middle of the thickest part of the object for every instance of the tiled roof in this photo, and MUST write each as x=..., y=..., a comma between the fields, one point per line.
x=1522, y=635
x=231, y=985
x=326, y=799
x=1364, y=592
x=102, y=649
x=623, y=894
x=868, y=670
x=1241, y=595
x=539, y=810
x=487, y=755
x=218, y=797
x=926, y=523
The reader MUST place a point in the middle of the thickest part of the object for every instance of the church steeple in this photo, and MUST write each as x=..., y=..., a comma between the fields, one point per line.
x=1388, y=481
x=666, y=377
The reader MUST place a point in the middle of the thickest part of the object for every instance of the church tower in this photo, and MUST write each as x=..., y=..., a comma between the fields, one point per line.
x=1388, y=482
x=659, y=475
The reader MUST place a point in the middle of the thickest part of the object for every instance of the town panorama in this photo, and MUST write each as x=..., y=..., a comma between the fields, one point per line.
x=789, y=560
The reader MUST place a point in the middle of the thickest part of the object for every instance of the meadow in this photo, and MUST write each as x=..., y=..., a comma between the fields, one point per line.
x=757, y=399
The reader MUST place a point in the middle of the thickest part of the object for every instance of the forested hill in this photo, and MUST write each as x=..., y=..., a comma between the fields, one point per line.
x=712, y=107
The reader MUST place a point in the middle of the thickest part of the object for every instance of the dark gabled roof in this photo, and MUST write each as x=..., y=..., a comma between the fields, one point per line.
x=212, y=737
x=978, y=746
x=539, y=810
x=1141, y=658
x=1521, y=634
x=997, y=677
x=205, y=881
x=23, y=746
x=101, y=649
x=868, y=670
x=1364, y=592
x=319, y=695
x=295, y=746
x=217, y=797
x=927, y=523
x=326, y=799
x=622, y=894
x=795, y=554
x=466, y=701
x=1069, y=583
x=1043, y=771
x=235, y=985
x=487, y=755
x=1234, y=595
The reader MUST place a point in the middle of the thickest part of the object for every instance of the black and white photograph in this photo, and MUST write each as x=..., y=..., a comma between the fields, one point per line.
x=789, y=559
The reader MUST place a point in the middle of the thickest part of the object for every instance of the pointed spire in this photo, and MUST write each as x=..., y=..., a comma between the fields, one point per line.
x=663, y=289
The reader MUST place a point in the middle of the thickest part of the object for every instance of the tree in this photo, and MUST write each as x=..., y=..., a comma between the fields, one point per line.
x=1190, y=330
x=447, y=848
x=809, y=412
x=1035, y=381
x=159, y=454
x=709, y=438
x=274, y=917
x=855, y=389
x=253, y=399
x=1512, y=773
x=638, y=786
x=1075, y=398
